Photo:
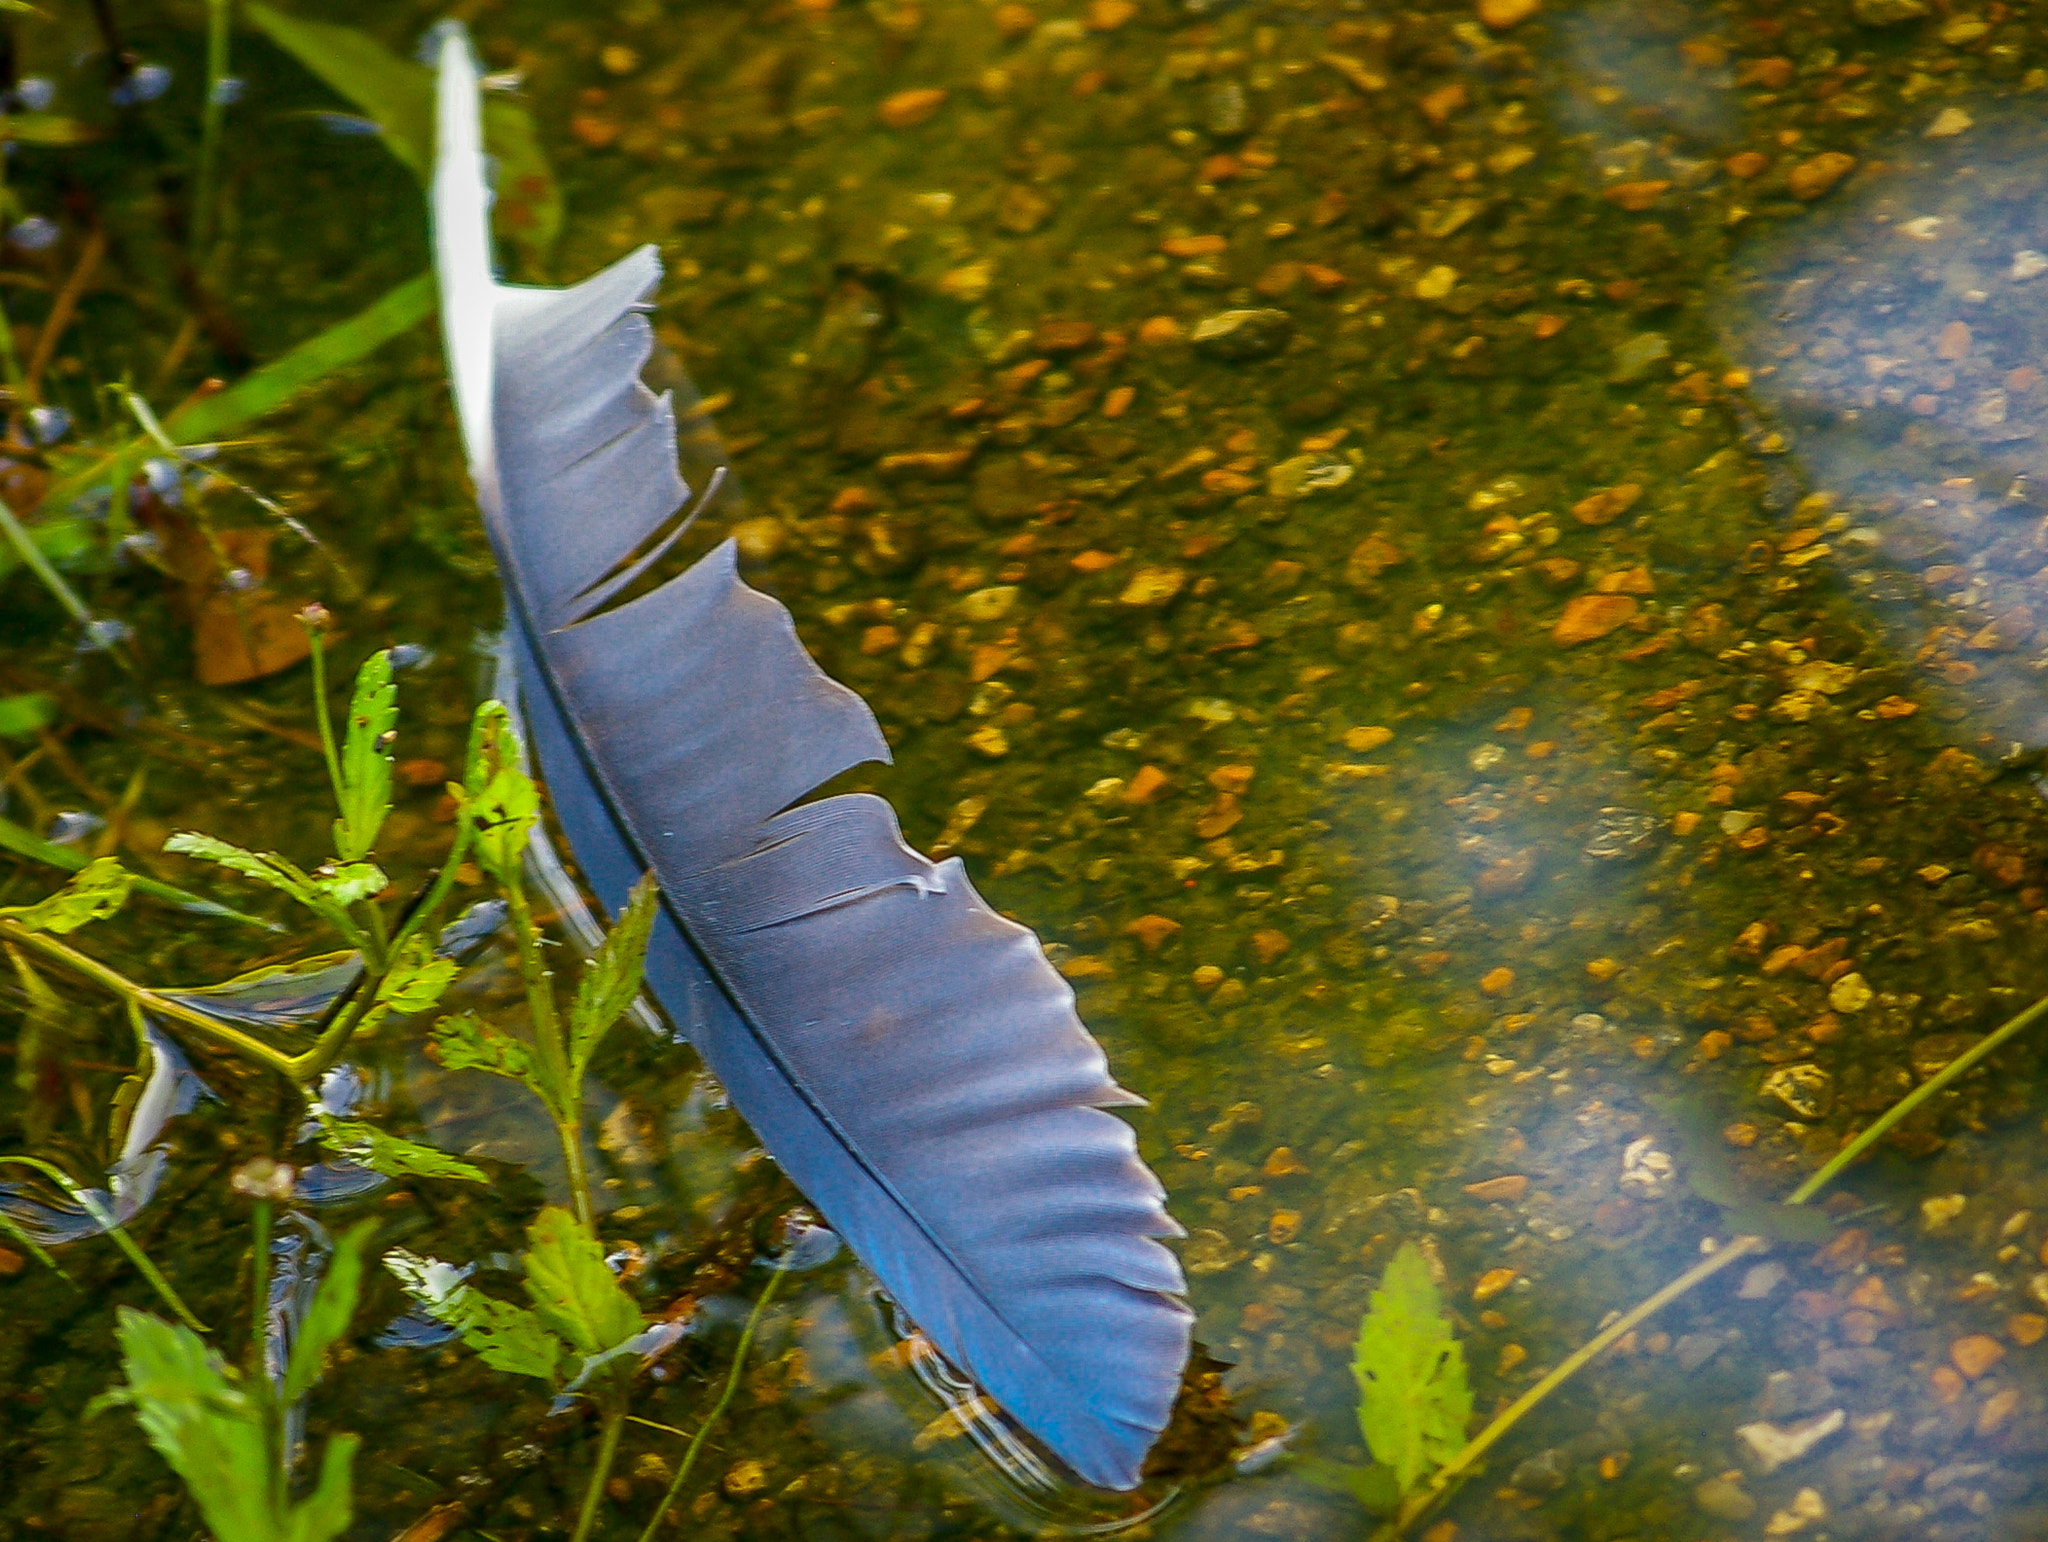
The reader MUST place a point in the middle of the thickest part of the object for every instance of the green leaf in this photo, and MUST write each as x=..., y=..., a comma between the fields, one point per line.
x=328, y=1318
x=365, y=767
x=265, y=867
x=326, y=1513
x=505, y=1337
x=417, y=980
x=398, y=95
x=349, y=883
x=256, y=393
x=1372, y=1484
x=573, y=1290
x=468, y=1043
x=100, y=889
x=195, y=1414
x=394, y=92
x=323, y=896
x=25, y=714
x=1703, y=1159
x=25, y=843
x=220, y=1440
x=1413, y=1402
x=370, y=1147
x=612, y=978
x=501, y=801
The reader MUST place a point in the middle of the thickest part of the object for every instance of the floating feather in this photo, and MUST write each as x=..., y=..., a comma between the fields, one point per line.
x=907, y=1055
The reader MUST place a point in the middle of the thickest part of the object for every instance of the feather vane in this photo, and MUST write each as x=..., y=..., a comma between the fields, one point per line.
x=907, y=1055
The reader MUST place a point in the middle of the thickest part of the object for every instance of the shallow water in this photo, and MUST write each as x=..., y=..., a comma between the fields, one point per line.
x=1543, y=711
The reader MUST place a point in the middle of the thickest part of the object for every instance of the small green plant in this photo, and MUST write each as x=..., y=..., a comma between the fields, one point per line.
x=581, y=1332
x=1444, y=1474
x=222, y=1430
x=1413, y=1400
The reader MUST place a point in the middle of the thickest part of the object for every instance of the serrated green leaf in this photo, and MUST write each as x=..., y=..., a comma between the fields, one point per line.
x=201, y=1422
x=267, y=867
x=491, y=735
x=468, y=1043
x=573, y=1290
x=612, y=977
x=365, y=765
x=504, y=816
x=1413, y=1400
x=418, y=979
x=328, y=1317
x=505, y=1337
x=26, y=713
x=351, y=882
x=220, y=1441
x=100, y=889
x=499, y=800
x=368, y=1146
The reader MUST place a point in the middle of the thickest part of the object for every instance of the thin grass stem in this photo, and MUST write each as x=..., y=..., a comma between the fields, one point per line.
x=210, y=126
x=112, y=980
x=321, y=714
x=732, y=1386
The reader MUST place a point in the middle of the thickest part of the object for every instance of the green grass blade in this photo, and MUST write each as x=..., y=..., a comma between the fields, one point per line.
x=264, y=389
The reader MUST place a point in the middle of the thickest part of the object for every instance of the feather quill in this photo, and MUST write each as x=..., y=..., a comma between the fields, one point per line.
x=906, y=1054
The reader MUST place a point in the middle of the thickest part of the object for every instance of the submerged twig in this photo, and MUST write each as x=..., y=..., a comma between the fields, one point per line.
x=61, y=311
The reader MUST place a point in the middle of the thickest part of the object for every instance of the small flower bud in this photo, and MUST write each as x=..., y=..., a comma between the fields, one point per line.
x=315, y=617
x=263, y=1178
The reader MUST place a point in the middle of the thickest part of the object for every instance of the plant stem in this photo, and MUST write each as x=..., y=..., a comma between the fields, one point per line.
x=210, y=123
x=608, y=1449
x=148, y=1000
x=318, y=659
x=259, y=1290
x=560, y=1089
x=1886, y=1121
x=1455, y=1469
x=1447, y=1476
x=732, y=1385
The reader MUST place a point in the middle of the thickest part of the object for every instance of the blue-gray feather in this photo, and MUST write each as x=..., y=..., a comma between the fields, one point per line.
x=907, y=1055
